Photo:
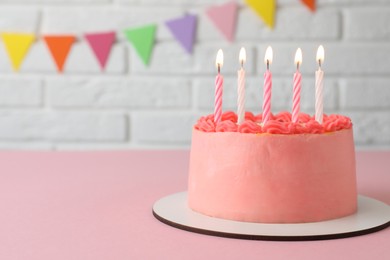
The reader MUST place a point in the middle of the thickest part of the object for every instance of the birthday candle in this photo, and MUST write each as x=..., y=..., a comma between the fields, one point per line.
x=267, y=86
x=297, y=87
x=319, y=85
x=218, y=88
x=241, y=88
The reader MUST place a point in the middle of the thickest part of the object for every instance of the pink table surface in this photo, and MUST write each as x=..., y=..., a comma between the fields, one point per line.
x=98, y=205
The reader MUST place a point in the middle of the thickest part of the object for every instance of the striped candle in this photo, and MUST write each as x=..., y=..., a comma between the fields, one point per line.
x=319, y=95
x=241, y=89
x=297, y=87
x=267, y=86
x=218, y=88
x=319, y=86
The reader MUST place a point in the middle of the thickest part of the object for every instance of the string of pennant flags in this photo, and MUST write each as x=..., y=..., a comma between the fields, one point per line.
x=142, y=38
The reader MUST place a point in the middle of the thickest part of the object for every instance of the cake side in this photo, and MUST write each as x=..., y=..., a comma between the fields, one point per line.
x=273, y=178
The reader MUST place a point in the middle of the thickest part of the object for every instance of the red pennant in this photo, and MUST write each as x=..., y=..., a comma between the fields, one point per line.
x=311, y=4
x=59, y=47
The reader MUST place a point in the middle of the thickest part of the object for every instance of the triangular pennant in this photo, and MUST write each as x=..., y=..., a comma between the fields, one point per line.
x=311, y=4
x=101, y=44
x=224, y=17
x=59, y=46
x=142, y=39
x=265, y=9
x=184, y=30
x=17, y=46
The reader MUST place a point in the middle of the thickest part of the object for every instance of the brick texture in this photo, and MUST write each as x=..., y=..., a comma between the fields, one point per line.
x=62, y=126
x=137, y=93
x=21, y=92
x=19, y=19
x=162, y=128
x=367, y=24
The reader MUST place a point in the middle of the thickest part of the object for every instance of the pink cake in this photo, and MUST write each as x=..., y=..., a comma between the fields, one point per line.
x=280, y=172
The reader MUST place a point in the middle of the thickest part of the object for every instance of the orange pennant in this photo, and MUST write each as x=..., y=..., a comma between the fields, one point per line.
x=311, y=4
x=59, y=47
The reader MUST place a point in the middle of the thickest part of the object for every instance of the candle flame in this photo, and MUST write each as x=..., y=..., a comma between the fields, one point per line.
x=219, y=59
x=268, y=56
x=298, y=57
x=242, y=56
x=320, y=54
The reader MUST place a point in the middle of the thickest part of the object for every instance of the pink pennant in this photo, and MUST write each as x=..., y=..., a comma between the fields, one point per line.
x=101, y=44
x=224, y=17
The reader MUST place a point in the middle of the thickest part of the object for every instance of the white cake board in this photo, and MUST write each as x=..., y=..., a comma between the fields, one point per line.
x=372, y=216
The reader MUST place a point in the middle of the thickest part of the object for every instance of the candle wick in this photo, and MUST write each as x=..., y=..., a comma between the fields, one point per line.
x=242, y=64
x=267, y=64
x=297, y=65
x=219, y=68
x=319, y=63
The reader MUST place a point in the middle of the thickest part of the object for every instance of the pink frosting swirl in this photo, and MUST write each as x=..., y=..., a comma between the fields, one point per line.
x=226, y=126
x=259, y=117
x=297, y=128
x=205, y=124
x=283, y=117
x=276, y=127
x=336, y=122
x=250, y=127
x=315, y=127
x=304, y=118
x=229, y=116
x=250, y=116
x=310, y=127
x=277, y=124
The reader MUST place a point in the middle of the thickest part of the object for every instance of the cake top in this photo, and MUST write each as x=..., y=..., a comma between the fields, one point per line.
x=277, y=124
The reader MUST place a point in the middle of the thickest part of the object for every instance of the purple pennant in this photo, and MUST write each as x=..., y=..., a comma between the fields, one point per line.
x=184, y=30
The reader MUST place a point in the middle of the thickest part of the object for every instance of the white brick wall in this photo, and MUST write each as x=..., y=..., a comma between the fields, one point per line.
x=20, y=92
x=130, y=105
x=132, y=93
x=63, y=126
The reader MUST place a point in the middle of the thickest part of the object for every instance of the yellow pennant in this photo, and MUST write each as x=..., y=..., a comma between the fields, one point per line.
x=265, y=9
x=17, y=46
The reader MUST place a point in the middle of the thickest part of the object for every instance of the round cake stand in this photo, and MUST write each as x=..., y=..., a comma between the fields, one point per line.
x=372, y=216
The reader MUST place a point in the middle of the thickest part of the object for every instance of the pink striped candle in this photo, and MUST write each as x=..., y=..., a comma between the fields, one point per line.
x=319, y=86
x=241, y=89
x=218, y=88
x=297, y=87
x=267, y=86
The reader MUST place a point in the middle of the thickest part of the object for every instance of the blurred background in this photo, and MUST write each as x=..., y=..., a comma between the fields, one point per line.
x=133, y=105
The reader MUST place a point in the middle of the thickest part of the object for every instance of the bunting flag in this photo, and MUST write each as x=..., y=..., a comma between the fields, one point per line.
x=101, y=44
x=184, y=30
x=265, y=9
x=142, y=39
x=224, y=17
x=311, y=4
x=59, y=47
x=17, y=46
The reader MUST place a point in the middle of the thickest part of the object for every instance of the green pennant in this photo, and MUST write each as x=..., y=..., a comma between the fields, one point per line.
x=142, y=39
